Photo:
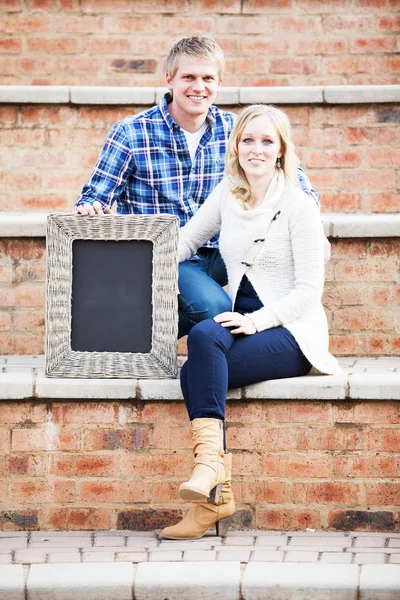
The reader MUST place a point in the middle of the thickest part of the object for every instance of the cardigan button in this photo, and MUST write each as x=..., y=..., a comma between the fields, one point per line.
x=259, y=240
x=246, y=264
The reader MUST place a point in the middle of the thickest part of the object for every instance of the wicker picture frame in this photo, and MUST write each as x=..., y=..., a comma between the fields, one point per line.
x=61, y=359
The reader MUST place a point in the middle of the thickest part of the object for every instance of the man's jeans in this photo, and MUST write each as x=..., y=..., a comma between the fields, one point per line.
x=200, y=284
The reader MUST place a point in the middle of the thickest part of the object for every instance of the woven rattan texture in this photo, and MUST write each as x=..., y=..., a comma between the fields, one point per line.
x=61, y=360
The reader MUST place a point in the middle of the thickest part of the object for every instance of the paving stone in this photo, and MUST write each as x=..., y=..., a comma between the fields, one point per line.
x=394, y=543
x=291, y=581
x=394, y=559
x=368, y=558
x=316, y=534
x=247, y=540
x=188, y=581
x=97, y=557
x=336, y=557
x=13, y=543
x=271, y=540
x=103, y=548
x=56, y=542
x=16, y=386
x=5, y=559
x=377, y=550
x=12, y=582
x=267, y=556
x=104, y=581
x=306, y=557
x=370, y=542
x=321, y=541
x=234, y=554
x=64, y=557
x=144, y=543
x=317, y=548
x=30, y=556
x=194, y=545
x=112, y=540
x=13, y=534
x=166, y=555
x=135, y=557
x=199, y=555
x=380, y=582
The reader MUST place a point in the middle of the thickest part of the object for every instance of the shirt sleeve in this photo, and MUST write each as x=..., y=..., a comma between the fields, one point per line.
x=307, y=239
x=203, y=225
x=111, y=170
x=306, y=186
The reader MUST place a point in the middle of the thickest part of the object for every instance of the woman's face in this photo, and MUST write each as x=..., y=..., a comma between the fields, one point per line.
x=259, y=148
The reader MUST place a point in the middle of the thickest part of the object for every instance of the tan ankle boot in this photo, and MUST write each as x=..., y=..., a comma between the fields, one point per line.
x=208, y=472
x=202, y=515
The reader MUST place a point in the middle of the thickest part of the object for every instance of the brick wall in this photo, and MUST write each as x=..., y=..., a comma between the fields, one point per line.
x=362, y=297
x=351, y=153
x=118, y=465
x=124, y=42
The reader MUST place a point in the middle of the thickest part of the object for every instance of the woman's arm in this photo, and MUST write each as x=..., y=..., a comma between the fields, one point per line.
x=307, y=239
x=203, y=225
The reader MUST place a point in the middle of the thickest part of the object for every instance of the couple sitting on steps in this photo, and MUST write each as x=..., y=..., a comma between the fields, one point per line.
x=237, y=177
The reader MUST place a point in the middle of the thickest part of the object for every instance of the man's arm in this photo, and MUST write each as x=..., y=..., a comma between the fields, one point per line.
x=307, y=188
x=109, y=175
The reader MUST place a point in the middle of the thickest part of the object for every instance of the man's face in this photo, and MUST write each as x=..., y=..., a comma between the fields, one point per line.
x=194, y=87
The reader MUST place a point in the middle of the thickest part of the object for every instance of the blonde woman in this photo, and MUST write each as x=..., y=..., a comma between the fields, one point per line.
x=272, y=243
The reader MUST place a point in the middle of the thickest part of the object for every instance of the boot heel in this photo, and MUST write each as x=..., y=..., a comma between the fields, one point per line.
x=215, y=493
x=222, y=526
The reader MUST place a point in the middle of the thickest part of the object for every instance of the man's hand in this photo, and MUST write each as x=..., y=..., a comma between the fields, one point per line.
x=233, y=319
x=92, y=209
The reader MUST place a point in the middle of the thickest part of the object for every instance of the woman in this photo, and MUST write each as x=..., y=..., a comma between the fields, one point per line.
x=272, y=242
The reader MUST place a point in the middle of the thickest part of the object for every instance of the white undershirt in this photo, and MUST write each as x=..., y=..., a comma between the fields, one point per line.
x=193, y=139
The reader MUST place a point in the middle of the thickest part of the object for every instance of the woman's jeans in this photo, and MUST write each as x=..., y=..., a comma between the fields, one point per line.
x=218, y=361
x=200, y=285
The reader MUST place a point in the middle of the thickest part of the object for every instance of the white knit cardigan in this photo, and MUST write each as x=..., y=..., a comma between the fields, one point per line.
x=279, y=245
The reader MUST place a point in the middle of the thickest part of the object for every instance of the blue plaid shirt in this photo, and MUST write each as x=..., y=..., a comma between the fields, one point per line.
x=145, y=165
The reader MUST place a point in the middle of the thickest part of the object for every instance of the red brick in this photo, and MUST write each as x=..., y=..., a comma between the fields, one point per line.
x=24, y=24
x=4, y=467
x=384, y=440
x=288, y=519
x=361, y=520
x=145, y=465
x=264, y=46
x=32, y=465
x=336, y=202
x=272, y=492
x=248, y=464
x=246, y=438
x=383, y=158
x=350, y=64
x=366, y=466
x=83, y=465
x=302, y=66
x=351, y=318
x=165, y=492
x=75, y=518
x=333, y=158
x=172, y=438
x=28, y=492
x=22, y=248
x=388, y=23
x=18, y=520
x=329, y=492
x=377, y=344
x=304, y=466
x=171, y=412
x=84, y=413
x=21, y=344
x=243, y=412
x=384, y=202
x=5, y=321
x=382, y=494
x=28, y=320
x=297, y=412
x=342, y=294
x=27, y=296
x=23, y=412
x=114, y=492
x=116, y=439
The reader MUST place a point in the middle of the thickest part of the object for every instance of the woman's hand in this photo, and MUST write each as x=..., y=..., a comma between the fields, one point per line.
x=233, y=319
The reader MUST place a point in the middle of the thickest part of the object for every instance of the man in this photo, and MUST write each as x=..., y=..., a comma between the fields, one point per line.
x=168, y=159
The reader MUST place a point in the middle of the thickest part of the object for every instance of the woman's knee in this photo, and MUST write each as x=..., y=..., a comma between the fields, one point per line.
x=204, y=334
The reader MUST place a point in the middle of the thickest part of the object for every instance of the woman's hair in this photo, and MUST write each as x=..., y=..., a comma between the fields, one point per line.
x=197, y=46
x=289, y=161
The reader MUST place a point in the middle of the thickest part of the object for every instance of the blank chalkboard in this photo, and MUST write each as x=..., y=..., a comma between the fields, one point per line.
x=111, y=296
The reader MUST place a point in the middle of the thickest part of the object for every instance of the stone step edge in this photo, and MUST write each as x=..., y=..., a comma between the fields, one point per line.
x=377, y=385
x=336, y=225
x=204, y=579
x=228, y=96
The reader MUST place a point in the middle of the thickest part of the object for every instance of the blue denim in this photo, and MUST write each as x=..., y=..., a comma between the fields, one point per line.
x=200, y=285
x=218, y=361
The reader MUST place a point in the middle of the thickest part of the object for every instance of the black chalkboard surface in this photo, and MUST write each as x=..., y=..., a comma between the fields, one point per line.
x=111, y=296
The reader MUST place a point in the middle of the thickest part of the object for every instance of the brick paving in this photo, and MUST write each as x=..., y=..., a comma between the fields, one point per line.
x=242, y=546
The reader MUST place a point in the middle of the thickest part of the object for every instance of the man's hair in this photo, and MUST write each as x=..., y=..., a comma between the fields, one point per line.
x=197, y=46
x=289, y=161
